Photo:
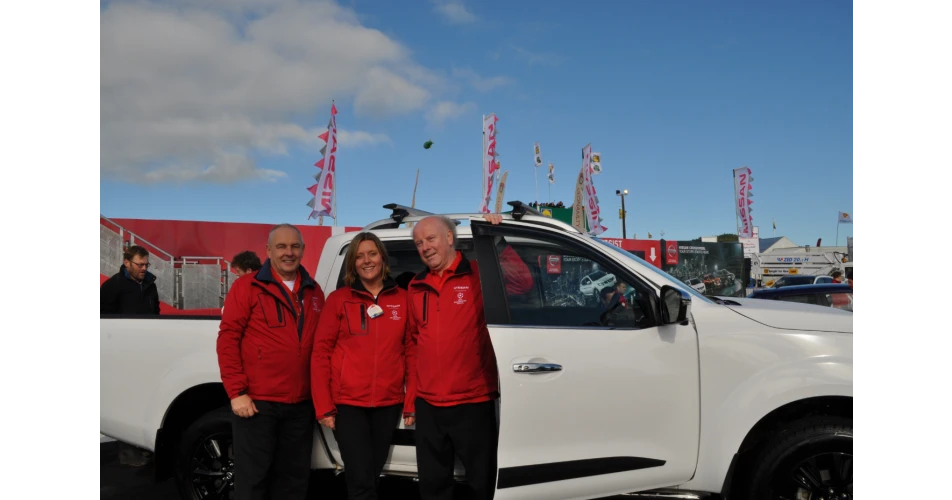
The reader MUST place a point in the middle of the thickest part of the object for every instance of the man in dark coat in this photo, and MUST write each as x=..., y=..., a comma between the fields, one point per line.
x=132, y=290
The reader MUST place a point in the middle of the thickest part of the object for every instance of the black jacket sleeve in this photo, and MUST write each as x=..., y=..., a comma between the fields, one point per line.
x=154, y=295
x=109, y=297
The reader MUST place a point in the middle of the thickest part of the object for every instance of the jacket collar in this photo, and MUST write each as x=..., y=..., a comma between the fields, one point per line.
x=266, y=276
x=149, y=277
x=464, y=267
x=388, y=283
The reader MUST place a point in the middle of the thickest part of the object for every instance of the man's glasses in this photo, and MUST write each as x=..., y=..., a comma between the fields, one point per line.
x=141, y=265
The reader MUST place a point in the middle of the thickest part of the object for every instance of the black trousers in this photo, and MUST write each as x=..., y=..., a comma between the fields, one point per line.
x=364, y=436
x=442, y=433
x=273, y=451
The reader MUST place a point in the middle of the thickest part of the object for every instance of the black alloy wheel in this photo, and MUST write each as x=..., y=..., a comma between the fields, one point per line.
x=206, y=463
x=811, y=459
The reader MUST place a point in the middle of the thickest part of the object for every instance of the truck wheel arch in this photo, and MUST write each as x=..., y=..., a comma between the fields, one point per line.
x=184, y=409
x=742, y=463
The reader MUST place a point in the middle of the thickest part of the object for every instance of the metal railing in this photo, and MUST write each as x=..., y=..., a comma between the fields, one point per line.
x=189, y=282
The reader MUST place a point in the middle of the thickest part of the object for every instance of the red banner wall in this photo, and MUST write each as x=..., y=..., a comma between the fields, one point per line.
x=224, y=239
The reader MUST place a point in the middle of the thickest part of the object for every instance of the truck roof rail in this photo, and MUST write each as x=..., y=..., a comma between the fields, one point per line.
x=521, y=212
x=519, y=209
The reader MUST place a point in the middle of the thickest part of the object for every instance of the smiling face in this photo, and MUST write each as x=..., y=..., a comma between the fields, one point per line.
x=285, y=250
x=434, y=242
x=369, y=263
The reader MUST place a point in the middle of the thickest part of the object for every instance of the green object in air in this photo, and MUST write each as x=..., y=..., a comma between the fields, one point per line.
x=427, y=144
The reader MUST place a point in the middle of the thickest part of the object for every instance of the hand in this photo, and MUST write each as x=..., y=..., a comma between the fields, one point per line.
x=408, y=421
x=493, y=219
x=328, y=422
x=243, y=406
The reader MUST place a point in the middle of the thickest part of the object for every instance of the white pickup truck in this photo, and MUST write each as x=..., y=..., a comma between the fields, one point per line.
x=694, y=397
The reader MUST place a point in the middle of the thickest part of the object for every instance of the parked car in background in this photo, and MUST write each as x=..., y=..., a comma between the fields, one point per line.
x=836, y=295
x=797, y=279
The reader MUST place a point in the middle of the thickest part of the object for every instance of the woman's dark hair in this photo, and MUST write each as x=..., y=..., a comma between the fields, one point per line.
x=350, y=260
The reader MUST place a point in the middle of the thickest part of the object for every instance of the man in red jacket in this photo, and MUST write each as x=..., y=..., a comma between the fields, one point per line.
x=264, y=354
x=457, y=382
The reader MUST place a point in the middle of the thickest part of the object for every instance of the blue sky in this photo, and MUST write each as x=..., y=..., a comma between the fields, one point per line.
x=673, y=94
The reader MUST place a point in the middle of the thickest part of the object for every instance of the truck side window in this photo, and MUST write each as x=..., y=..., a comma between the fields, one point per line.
x=568, y=289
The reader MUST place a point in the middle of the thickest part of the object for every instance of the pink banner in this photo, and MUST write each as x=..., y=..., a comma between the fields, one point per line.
x=490, y=165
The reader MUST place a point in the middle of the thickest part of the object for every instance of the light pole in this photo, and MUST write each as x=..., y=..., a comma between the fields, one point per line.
x=622, y=193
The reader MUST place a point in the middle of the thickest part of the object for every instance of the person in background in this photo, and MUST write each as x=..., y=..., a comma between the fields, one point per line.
x=132, y=290
x=246, y=262
x=269, y=320
x=359, y=364
x=837, y=277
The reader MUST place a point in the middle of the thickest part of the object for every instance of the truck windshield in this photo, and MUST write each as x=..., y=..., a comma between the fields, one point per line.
x=668, y=279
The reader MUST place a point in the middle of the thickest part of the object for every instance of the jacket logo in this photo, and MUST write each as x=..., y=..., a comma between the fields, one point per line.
x=459, y=298
x=315, y=304
x=394, y=314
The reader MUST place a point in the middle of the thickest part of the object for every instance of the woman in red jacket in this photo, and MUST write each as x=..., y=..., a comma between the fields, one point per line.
x=359, y=364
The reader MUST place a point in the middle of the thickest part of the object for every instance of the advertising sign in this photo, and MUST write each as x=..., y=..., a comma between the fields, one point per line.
x=553, y=264
x=718, y=267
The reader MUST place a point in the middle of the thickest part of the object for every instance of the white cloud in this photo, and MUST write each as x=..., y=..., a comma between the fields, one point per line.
x=480, y=83
x=358, y=138
x=193, y=90
x=444, y=111
x=454, y=11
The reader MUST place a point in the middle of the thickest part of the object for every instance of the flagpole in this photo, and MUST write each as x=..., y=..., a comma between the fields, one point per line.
x=535, y=170
x=837, y=231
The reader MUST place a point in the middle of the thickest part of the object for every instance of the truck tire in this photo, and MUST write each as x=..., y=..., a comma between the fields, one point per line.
x=204, y=465
x=812, y=458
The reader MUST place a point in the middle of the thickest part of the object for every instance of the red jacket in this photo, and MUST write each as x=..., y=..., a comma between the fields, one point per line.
x=265, y=338
x=359, y=360
x=454, y=357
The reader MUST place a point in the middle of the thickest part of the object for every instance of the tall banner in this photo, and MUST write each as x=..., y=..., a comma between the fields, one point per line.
x=551, y=173
x=538, y=155
x=578, y=211
x=742, y=202
x=502, y=189
x=324, y=201
x=490, y=166
x=592, y=212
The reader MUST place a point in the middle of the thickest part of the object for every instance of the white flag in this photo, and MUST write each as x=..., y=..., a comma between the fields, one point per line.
x=844, y=218
x=551, y=173
x=596, y=163
x=325, y=190
x=538, y=155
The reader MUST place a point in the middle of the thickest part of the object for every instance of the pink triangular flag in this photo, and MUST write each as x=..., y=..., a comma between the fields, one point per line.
x=323, y=136
x=313, y=189
x=320, y=164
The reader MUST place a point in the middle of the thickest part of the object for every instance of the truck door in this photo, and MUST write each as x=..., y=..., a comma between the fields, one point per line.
x=593, y=403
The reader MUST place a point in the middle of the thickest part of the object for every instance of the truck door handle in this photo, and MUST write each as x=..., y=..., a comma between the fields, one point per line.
x=536, y=367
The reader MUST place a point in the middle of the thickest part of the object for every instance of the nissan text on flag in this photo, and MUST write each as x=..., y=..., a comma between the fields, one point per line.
x=588, y=407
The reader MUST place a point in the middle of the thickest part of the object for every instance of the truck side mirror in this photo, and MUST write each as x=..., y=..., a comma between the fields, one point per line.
x=675, y=304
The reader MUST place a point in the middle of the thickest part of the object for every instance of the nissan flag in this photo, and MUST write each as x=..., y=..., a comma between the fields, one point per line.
x=324, y=191
x=742, y=202
x=538, y=155
x=489, y=160
x=592, y=212
x=551, y=173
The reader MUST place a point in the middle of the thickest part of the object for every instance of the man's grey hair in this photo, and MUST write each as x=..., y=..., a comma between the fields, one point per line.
x=282, y=226
x=447, y=223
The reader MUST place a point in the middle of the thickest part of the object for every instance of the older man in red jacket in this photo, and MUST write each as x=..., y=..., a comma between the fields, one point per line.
x=264, y=354
x=457, y=381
